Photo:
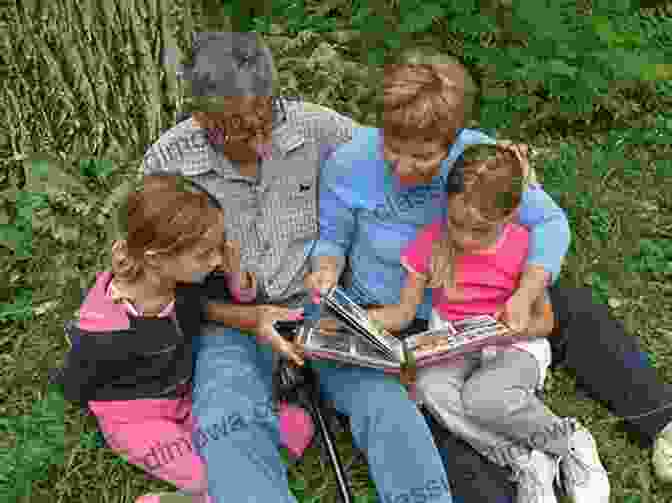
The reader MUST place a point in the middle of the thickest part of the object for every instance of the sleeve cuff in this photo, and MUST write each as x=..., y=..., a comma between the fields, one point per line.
x=327, y=249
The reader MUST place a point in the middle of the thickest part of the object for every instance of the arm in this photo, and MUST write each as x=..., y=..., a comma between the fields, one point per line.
x=337, y=222
x=549, y=240
x=396, y=317
x=242, y=317
x=415, y=258
x=542, y=321
x=331, y=129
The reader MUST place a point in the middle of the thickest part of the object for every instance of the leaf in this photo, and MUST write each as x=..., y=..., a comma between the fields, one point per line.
x=615, y=303
x=64, y=230
x=4, y=217
x=20, y=309
x=12, y=237
x=96, y=168
x=45, y=307
x=45, y=174
x=603, y=29
x=421, y=18
x=560, y=67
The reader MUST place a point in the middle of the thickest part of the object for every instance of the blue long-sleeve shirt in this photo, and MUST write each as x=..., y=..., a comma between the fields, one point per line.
x=368, y=218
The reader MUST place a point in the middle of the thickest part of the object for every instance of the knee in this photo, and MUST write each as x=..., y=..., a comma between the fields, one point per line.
x=484, y=401
x=385, y=399
x=378, y=393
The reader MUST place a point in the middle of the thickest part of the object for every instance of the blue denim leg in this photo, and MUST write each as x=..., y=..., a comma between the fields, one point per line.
x=403, y=459
x=236, y=432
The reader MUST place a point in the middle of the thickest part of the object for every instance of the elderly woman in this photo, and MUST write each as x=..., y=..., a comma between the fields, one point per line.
x=260, y=157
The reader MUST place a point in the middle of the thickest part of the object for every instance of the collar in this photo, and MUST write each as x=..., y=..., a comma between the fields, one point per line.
x=119, y=296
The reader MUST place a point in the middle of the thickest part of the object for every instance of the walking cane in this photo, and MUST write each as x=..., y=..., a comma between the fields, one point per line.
x=301, y=385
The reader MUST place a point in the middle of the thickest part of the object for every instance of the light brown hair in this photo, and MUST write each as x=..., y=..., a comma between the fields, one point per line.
x=163, y=215
x=426, y=95
x=493, y=186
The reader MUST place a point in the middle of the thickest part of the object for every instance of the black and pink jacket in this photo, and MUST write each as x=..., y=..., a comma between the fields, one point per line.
x=117, y=356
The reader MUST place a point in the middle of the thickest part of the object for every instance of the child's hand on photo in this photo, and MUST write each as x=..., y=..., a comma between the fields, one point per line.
x=517, y=311
x=329, y=326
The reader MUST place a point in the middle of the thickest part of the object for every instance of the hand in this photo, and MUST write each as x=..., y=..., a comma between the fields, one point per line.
x=329, y=326
x=517, y=311
x=267, y=334
x=522, y=152
x=321, y=281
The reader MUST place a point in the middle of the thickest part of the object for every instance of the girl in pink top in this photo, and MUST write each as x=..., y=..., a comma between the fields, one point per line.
x=131, y=360
x=473, y=258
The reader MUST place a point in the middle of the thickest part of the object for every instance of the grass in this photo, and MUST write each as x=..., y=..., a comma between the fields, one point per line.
x=86, y=84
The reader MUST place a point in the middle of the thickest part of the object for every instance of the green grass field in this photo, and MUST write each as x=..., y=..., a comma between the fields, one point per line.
x=83, y=86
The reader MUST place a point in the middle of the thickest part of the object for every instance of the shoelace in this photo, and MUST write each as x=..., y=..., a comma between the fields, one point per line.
x=535, y=484
x=578, y=475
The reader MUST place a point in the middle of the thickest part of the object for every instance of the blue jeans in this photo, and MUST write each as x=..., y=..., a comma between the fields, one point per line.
x=238, y=435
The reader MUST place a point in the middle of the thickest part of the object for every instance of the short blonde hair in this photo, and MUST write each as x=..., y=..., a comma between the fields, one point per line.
x=426, y=94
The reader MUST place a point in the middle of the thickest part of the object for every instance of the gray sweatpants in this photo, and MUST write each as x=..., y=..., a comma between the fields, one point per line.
x=491, y=404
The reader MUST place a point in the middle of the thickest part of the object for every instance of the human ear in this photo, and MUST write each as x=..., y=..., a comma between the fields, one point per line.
x=230, y=256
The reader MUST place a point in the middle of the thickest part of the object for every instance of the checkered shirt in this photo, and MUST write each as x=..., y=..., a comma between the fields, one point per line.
x=274, y=217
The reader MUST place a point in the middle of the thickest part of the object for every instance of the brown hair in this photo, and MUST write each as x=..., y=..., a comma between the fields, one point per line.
x=426, y=93
x=162, y=216
x=493, y=186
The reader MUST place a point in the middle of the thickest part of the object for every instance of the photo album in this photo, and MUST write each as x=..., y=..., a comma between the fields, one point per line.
x=359, y=340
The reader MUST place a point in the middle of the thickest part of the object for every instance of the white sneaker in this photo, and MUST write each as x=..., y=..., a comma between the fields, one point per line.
x=583, y=477
x=534, y=473
x=662, y=455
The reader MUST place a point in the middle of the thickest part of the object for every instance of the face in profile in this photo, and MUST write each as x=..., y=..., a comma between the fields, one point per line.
x=467, y=229
x=231, y=82
x=415, y=161
x=193, y=264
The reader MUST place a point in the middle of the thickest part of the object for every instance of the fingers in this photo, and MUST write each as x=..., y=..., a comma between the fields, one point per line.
x=326, y=282
x=520, y=150
x=514, y=325
x=317, y=285
x=329, y=326
x=322, y=281
x=285, y=314
x=294, y=352
x=310, y=281
x=293, y=314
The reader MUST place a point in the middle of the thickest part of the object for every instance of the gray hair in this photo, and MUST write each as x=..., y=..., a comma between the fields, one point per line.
x=227, y=64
